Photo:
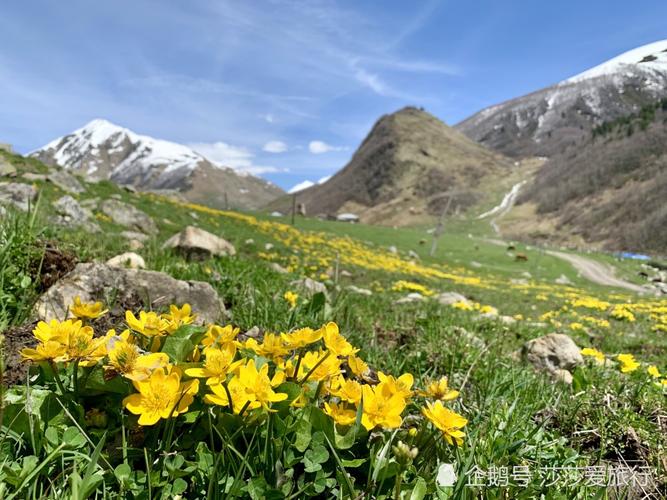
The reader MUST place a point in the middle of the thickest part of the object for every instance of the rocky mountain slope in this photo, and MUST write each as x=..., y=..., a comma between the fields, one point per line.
x=550, y=120
x=402, y=172
x=611, y=190
x=102, y=150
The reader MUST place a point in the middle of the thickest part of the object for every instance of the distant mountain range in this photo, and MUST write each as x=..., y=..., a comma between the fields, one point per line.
x=404, y=172
x=102, y=150
x=548, y=121
x=604, y=132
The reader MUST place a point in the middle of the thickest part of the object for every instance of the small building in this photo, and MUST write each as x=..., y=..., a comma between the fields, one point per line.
x=353, y=218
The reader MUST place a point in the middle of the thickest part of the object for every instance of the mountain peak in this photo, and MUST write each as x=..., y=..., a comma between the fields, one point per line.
x=651, y=57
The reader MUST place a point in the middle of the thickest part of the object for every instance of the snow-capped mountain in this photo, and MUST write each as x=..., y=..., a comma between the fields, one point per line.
x=102, y=150
x=550, y=120
x=306, y=184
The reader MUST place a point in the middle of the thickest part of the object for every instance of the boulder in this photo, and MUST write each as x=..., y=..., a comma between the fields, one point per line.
x=196, y=244
x=360, y=291
x=129, y=260
x=31, y=176
x=71, y=214
x=308, y=286
x=65, y=181
x=393, y=249
x=552, y=354
x=22, y=196
x=93, y=281
x=129, y=216
x=449, y=298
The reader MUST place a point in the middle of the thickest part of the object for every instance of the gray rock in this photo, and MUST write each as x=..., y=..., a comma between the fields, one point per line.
x=69, y=213
x=133, y=235
x=413, y=255
x=30, y=176
x=128, y=260
x=410, y=298
x=393, y=249
x=308, y=286
x=519, y=281
x=346, y=274
x=552, y=353
x=563, y=280
x=278, y=268
x=22, y=196
x=65, y=181
x=135, y=245
x=449, y=298
x=360, y=291
x=476, y=264
x=129, y=216
x=6, y=168
x=93, y=281
x=90, y=202
x=196, y=244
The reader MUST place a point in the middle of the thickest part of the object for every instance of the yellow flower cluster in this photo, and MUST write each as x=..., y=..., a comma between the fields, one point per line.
x=241, y=376
x=409, y=286
x=626, y=363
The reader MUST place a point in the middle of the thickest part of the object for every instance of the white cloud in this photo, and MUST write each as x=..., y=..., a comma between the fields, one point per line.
x=275, y=147
x=237, y=158
x=319, y=147
x=301, y=186
x=269, y=118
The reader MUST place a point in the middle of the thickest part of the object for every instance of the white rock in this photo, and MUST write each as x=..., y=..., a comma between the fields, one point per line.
x=128, y=260
x=197, y=244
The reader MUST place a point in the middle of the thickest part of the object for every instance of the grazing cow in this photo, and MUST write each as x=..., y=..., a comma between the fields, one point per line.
x=521, y=257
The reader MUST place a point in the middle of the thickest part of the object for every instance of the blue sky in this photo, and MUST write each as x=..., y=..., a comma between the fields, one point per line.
x=289, y=89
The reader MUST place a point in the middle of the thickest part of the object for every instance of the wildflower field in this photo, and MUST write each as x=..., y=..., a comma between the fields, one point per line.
x=295, y=393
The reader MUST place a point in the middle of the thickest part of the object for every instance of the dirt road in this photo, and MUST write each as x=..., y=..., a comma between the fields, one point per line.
x=596, y=271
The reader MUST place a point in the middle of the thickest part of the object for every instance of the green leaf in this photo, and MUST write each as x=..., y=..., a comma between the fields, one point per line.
x=353, y=462
x=179, y=486
x=303, y=431
x=419, y=491
x=180, y=344
x=292, y=390
x=122, y=473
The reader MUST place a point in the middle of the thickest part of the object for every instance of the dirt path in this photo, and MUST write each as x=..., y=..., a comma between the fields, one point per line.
x=596, y=271
x=592, y=270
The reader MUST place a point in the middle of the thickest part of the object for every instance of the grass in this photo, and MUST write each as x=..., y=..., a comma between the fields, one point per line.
x=517, y=417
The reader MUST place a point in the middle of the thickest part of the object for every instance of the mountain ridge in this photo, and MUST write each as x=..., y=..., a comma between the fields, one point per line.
x=102, y=150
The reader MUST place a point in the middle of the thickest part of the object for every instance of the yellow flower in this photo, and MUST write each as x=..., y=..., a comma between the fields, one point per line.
x=322, y=363
x=291, y=298
x=250, y=388
x=628, y=363
x=272, y=346
x=439, y=389
x=653, y=371
x=218, y=363
x=340, y=414
x=390, y=385
x=55, y=330
x=622, y=313
x=50, y=350
x=449, y=422
x=301, y=338
x=576, y=326
x=81, y=346
x=218, y=336
x=178, y=317
x=161, y=396
x=148, y=324
x=87, y=310
x=357, y=365
x=335, y=342
x=126, y=358
x=380, y=410
x=594, y=353
x=346, y=390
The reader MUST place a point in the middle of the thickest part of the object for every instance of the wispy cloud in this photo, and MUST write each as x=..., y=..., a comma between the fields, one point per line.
x=321, y=147
x=275, y=147
x=237, y=158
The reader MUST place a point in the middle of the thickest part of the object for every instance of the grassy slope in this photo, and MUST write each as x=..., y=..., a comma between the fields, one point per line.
x=516, y=417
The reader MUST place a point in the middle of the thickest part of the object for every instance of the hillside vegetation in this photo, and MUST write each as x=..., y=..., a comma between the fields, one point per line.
x=404, y=172
x=437, y=378
x=612, y=188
